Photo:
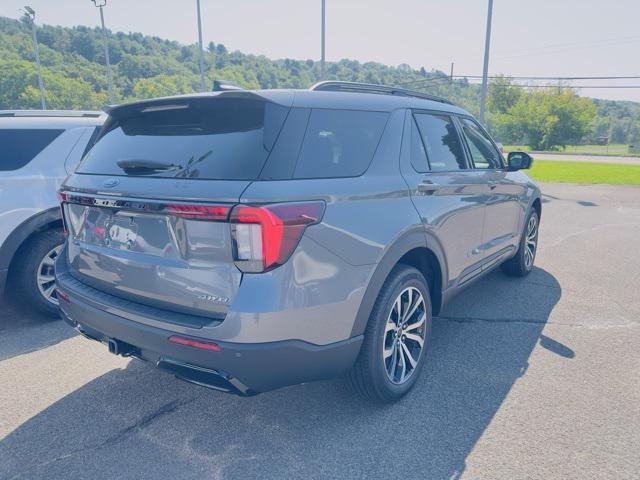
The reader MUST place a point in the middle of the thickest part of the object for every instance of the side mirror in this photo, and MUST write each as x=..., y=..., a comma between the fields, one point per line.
x=519, y=161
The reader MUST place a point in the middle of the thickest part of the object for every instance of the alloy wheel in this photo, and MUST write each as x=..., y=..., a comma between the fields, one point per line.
x=404, y=335
x=45, y=279
x=531, y=241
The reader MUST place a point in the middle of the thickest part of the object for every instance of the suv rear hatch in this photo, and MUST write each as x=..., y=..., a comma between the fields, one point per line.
x=147, y=209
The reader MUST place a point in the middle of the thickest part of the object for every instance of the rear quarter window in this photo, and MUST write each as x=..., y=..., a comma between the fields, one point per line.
x=339, y=143
x=19, y=146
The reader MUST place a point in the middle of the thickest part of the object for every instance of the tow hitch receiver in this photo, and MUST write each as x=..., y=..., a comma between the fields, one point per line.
x=118, y=347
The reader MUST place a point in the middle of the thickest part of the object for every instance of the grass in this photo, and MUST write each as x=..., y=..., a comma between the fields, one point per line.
x=582, y=172
x=614, y=149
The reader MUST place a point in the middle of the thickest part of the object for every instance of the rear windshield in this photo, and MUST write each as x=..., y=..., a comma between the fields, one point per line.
x=224, y=139
x=19, y=146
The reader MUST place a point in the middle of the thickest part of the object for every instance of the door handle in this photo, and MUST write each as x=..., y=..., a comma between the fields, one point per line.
x=428, y=187
x=492, y=184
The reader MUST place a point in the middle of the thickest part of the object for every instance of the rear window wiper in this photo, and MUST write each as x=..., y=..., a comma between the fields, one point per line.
x=137, y=166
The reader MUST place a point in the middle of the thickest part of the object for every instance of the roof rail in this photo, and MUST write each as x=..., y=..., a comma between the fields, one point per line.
x=49, y=113
x=338, y=86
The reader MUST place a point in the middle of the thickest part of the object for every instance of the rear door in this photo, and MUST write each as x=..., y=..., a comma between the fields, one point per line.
x=449, y=196
x=501, y=231
x=147, y=209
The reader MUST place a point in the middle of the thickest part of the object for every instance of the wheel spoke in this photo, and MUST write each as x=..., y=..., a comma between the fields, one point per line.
x=403, y=372
x=49, y=290
x=46, y=278
x=417, y=324
x=414, y=337
x=413, y=308
x=390, y=351
x=408, y=356
x=398, y=308
x=389, y=327
x=48, y=261
x=394, y=363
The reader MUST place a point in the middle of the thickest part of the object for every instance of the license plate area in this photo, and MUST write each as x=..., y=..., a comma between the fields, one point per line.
x=120, y=232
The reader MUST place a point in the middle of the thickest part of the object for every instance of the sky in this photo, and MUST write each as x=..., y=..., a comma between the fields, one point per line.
x=529, y=37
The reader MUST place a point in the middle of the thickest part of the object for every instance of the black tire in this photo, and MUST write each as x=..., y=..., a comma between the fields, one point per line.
x=519, y=265
x=24, y=271
x=369, y=377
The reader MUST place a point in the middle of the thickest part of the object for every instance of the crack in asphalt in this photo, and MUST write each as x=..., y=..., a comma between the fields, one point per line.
x=533, y=321
x=122, y=434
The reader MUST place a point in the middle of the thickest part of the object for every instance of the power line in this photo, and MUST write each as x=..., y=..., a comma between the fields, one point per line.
x=563, y=86
x=551, y=78
x=494, y=77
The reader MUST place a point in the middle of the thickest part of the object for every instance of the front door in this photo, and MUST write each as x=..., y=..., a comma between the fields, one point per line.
x=503, y=212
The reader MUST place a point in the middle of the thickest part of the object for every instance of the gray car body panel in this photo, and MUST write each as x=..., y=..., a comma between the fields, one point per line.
x=28, y=200
x=324, y=293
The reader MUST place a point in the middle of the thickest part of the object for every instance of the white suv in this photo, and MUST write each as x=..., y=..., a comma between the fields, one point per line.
x=37, y=150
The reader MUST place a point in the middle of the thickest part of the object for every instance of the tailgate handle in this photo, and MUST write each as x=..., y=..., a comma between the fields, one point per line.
x=428, y=187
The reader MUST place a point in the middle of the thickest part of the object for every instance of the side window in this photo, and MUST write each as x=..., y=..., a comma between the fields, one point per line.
x=418, y=153
x=339, y=143
x=19, y=146
x=483, y=153
x=441, y=142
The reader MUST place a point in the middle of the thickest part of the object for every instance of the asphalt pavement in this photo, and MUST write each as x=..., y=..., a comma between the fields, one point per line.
x=535, y=378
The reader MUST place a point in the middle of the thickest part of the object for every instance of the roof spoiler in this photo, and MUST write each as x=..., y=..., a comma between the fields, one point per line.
x=225, y=86
x=177, y=102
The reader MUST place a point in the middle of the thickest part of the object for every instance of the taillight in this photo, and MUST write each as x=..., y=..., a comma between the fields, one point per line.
x=198, y=212
x=62, y=197
x=265, y=236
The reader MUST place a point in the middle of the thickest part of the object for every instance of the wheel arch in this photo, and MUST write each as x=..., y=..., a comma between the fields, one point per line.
x=44, y=220
x=537, y=205
x=410, y=250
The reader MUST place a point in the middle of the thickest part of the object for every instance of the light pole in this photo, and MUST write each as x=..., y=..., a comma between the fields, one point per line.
x=485, y=69
x=100, y=4
x=30, y=13
x=203, y=87
x=322, y=30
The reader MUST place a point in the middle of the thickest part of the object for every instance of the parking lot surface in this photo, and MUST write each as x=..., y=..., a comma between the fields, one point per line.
x=525, y=378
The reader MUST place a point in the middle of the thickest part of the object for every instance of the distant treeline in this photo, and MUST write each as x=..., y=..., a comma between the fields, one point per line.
x=145, y=66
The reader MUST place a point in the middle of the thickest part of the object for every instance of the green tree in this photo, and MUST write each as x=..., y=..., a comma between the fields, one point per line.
x=548, y=118
x=503, y=95
x=163, y=85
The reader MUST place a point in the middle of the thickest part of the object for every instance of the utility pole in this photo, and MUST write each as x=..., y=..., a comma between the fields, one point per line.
x=105, y=41
x=451, y=81
x=485, y=70
x=322, y=35
x=203, y=87
x=30, y=13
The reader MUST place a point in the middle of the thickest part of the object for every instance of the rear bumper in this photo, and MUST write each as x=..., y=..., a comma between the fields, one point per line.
x=241, y=368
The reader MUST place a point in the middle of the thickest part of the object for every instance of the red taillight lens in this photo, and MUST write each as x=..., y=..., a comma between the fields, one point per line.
x=62, y=197
x=62, y=296
x=199, y=212
x=265, y=236
x=192, y=342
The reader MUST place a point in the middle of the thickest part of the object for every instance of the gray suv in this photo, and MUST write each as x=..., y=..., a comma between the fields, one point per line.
x=249, y=240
